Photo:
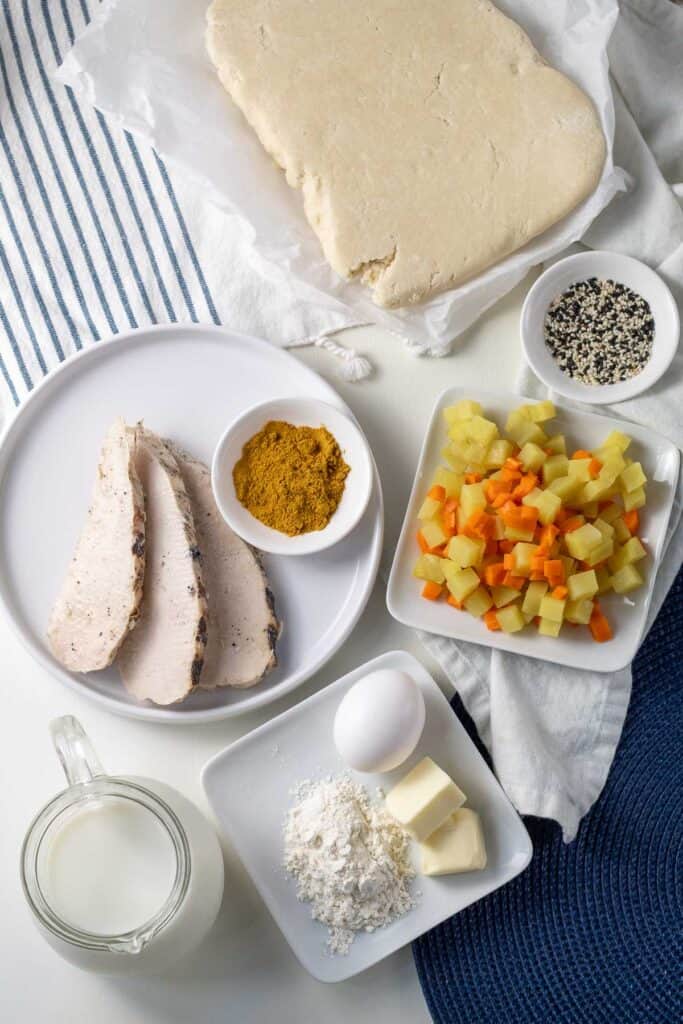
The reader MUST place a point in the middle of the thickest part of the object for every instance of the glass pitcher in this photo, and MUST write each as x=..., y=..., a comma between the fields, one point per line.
x=122, y=874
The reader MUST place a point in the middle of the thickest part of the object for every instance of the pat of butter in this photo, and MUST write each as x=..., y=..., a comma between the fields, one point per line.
x=457, y=846
x=424, y=799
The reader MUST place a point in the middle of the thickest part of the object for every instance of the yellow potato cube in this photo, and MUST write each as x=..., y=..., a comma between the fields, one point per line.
x=590, y=509
x=569, y=565
x=626, y=579
x=454, y=461
x=631, y=551
x=470, y=452
x=462, y=582
x=498, y=452
x=429, y=509
x=579, y=469
x=579, y=611
x=634, y=499
x=632, y=477
x=556, y=445
x=606, y=529
x=604, y=579
x=548, y=627
x=522, y=554
x=552, y=608
x=611, y=513
x=565, y=487
x=532, y=457
x=539, y=412
x=433, y=534
x=464, y=410
x=554, y=467
x=594, y=490
x=580, y=542
x=430, y=568
x=522, y=430
x=482, y=430
x=504, y=595
x=535, y=593
x=513, y=533
x=582, y=584
x=617, y=440
x=472, y=497
x=510, y=619
x=465, y=551
x=479, y=602
x=547, y=503
x=621, y=530
x=450, y=481
x=612, y=462
x=600, y=553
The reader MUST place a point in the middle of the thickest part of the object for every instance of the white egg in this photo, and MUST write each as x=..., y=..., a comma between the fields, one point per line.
x=379, y=721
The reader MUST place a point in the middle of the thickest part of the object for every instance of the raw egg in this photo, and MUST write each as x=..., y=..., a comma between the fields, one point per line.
x=379, y=721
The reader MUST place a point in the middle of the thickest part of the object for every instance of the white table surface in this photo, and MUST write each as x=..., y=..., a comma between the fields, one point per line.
x=245, y=971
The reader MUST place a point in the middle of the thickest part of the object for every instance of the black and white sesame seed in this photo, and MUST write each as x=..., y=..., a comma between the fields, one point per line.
x=599, y=331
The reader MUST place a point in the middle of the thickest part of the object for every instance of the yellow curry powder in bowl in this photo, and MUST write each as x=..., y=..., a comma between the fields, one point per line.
x=291, y=478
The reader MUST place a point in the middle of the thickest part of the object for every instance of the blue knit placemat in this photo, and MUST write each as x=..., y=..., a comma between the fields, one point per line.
x=592, y=932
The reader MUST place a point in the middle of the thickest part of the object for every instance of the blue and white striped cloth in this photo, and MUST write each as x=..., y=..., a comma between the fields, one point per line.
x=93, y=240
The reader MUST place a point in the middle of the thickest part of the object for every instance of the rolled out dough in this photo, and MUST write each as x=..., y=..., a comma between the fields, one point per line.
x=428, y=137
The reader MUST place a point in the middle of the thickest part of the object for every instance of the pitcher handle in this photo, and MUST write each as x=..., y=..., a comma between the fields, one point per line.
x=74, y=750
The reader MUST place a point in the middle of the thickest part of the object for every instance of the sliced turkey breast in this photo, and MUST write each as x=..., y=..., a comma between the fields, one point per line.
x=100, y=598
x=162, y=659
x=243, y=627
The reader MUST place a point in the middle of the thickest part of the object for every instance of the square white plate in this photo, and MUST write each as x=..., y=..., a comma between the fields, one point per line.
x=575, y=647
x=249, y=786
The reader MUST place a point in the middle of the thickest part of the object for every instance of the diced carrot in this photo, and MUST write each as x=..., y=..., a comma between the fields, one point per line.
x=599, y=626
x=529, y=515
x=562, y=515
x=424, y=546
x=491, y=620
x=505, y=546
x=494, y=574
x=516, y=582
x=553, y=569
x=450, y=505
x=632, y=521
x=581, y=453
x=536, y=576
x=440, y=550
x=437, y=492
x=549, y=535
x=525, y=486
x=512, y=464
x=511, y=475
x=491, y=547
x=502, y=499
x=594, y=467
x=432, y=591
x=494, y=488
x=453, y=602
x=449, y=522
x=537, y=563
x=560, y=593
x=472, y=478
x=509, y=562
x=572, y=524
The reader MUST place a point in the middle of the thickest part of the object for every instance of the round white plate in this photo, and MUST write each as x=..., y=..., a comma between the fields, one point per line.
x=187, y=382
x=635, y=275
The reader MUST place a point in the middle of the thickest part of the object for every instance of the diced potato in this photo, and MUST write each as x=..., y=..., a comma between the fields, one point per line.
x=556, y=445
x=547, y=627
x=632, y=477
x=604, y=579
x=482, y=430
x=590, y=509
x=450, y=481
x=498, y=452
x=522, y=430
x=569, y=565
x=479, y=602
x=552, y=608
x=621, y=530
x=565, y=487
x=547, y=503
x=611, y=513
x=471, y=453
x=522, y=554
x=535, y=593
x=579, y=611
x=579, y=469
x=626, y=579
x=631, y=551
x=510, y=619
x=504, y=595
x=595, y=490
x=465, y=551
x=613, y=462
x=472, y=497
x=462, y=583
x=554, y=467
x=634, y=499
x=429, y=568
x=600, y=553
x=606, y=529
x=527, y=618
x=429, y=509
x=582, y=584
x=517, y=534
x=464, y=410
x=532, y=457
x=539, y=412
x=433, y=534
x=617, y=440
x=580, y=542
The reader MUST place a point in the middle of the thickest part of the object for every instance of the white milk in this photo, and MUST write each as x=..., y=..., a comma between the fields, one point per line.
x=110, y=868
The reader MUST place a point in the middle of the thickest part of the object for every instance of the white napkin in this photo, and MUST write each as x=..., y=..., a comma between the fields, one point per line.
x=552, y=731
x=151, y=75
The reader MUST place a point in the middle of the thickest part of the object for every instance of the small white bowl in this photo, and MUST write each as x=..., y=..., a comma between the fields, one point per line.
x=300, y=412
x=633, y=274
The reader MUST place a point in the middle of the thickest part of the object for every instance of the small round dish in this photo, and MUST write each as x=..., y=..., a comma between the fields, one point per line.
x=627, y=271
x=300, y=412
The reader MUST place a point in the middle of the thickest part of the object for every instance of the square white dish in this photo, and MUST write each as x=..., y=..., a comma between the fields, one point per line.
x=574, y=647
x=249, y=785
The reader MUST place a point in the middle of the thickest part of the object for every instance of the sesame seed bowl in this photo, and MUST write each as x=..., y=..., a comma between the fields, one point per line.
x=599, y=327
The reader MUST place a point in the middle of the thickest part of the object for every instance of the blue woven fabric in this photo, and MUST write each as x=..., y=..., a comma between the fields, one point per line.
x=592, y=932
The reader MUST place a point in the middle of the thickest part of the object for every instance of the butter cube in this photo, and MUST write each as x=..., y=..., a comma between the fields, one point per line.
x=424, y=799
x=457, y=846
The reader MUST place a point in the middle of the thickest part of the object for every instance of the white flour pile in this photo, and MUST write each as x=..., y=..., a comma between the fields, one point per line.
x=349, y=858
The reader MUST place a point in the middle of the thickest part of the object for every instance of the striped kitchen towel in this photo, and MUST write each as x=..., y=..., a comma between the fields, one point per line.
x=97, y=235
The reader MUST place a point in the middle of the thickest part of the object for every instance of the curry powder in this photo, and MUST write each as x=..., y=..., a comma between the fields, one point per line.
x=291, y=478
